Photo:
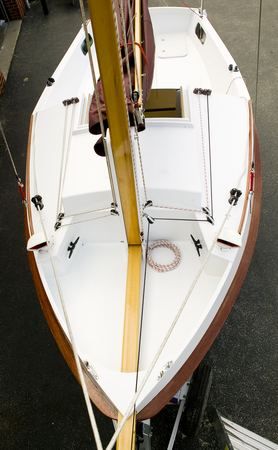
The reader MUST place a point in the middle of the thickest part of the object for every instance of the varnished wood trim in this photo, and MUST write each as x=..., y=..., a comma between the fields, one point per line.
x=107, y=48
x=127, y=437
x=250, y=157
x=132, y=310
x=202, y=348
x=27, y=179
x=97, y=396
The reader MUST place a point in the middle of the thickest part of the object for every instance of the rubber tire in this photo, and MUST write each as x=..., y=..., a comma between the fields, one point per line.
x=196, y=401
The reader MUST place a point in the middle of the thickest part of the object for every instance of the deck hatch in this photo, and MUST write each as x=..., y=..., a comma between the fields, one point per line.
x=164, y=103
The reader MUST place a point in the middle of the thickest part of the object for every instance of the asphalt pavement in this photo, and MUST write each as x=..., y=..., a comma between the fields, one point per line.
x=41, y=405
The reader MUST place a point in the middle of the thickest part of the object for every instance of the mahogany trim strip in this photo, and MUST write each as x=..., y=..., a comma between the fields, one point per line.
x=27, y=179
x=250, y=157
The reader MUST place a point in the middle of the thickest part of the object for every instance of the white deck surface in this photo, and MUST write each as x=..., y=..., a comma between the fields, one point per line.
x=182, y=164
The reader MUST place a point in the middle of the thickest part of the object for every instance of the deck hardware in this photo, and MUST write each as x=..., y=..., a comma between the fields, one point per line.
x=37, y=200
x=70, y=101
x=209, y=217
x=84, y=47
x=135, y=96
x=72, y=246
x=233, y=68
x=57, y=225
x=114, y=212
x=50, y=81
x=91, y=370
x=140, y=118
x=200, y=33
x=234, y=196
x=148, y=203
x=197, y=244
x=201, y=91
x=149, y=218
x=138, y=111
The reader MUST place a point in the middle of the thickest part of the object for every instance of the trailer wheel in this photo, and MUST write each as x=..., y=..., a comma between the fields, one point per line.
x=196, y=402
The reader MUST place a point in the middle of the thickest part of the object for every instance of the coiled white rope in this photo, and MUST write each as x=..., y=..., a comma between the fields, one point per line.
x=164, y=267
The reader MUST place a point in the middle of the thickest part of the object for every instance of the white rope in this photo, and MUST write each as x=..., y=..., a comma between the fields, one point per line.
x=139, y=203
x=65, y=158
x=88, y=212
x=137, y=75
x=164, y=267
x=93, y=73
x=71, y=335
x=174, y=208
x=168, y=334
x=203, y=150
x=84, y=220
x=136, y=136
x=62, y=160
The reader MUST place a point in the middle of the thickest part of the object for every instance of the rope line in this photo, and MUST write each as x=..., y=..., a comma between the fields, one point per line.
x=93, y=73
x=62, y=158
x=169, y=332
x=210, y=158
x=203, y=150
x=68, y=324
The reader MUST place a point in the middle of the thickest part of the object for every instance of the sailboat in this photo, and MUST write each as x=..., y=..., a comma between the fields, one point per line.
x=140, y=235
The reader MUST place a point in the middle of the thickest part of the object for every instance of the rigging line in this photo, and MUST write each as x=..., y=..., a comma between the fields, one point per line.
x=140, y=213
x=174, y=208
x=181, y=220
x=170, y=330
x=131, y=20
x=9, y=152
x=87, y=212
x=136, y=137
x=124, y=31
x=93, y=73
x=84, y=221
x=66, y=156
x=74, y=347
x=203, y=150
x=62, y=158
x=141, y=319
x=210, y=166
x=258, y=56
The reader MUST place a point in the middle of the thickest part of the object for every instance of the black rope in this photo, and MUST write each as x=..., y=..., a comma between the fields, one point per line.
x=258, y=55
x=141, y=324
x=210, y=168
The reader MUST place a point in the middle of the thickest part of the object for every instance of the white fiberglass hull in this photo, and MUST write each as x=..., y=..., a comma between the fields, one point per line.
x=186, y=167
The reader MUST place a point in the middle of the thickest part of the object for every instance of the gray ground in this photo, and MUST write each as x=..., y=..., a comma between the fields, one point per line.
x=41, y=405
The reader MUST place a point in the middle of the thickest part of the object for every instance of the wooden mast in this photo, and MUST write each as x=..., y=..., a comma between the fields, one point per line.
x=107, y=48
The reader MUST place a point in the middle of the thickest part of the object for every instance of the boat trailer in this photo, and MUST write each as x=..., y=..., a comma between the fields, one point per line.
x=191, y=403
